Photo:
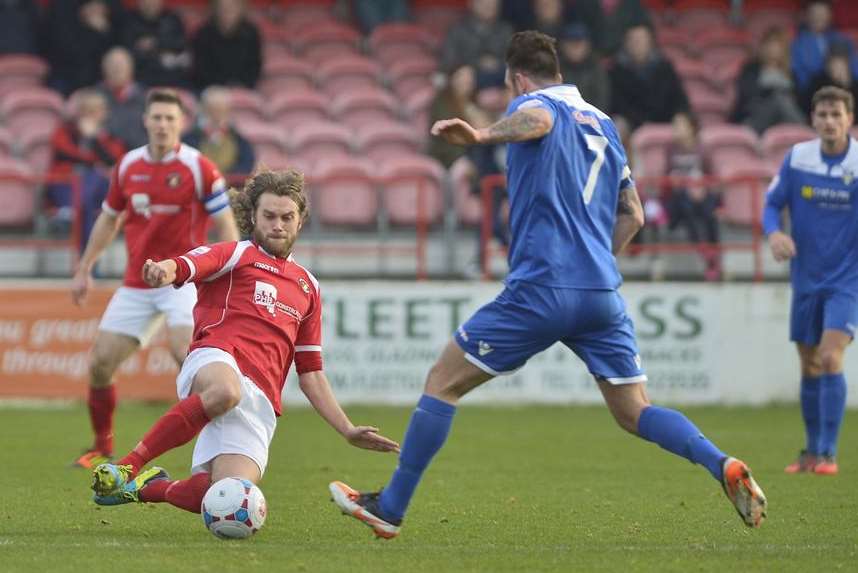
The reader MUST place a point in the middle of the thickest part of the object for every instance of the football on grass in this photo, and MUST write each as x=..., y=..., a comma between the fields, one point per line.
x=233, y=508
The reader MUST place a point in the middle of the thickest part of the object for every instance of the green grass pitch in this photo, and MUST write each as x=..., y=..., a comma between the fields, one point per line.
x=515, y=489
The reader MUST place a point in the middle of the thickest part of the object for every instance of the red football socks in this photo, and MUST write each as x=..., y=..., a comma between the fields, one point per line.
x=178, y=426
x=185, y=494
x=102, y=403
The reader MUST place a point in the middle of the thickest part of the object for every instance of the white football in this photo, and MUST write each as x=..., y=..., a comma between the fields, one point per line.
x=233, y=508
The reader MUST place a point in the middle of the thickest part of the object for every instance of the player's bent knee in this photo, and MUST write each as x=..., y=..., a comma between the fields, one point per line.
x=220, y=398
x=831, y=361
x=101, y=368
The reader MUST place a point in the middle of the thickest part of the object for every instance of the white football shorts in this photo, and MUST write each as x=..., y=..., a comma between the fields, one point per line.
x=138, y=312
x=247, y=429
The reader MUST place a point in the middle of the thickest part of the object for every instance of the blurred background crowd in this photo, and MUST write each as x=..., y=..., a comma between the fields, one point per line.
x=708, y=95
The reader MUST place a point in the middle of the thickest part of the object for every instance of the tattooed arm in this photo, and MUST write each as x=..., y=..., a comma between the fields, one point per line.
x=523, y=125
x=630, y=218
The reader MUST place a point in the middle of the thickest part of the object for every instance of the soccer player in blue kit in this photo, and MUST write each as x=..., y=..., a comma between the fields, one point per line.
x=573, y=205
x=818, y=183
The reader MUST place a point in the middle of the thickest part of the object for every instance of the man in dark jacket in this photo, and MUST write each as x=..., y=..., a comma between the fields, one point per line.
x=156, y=39
x=644, y=85
x=227, y=49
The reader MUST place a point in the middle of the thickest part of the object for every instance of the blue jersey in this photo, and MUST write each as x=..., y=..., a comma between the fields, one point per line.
x=563, y=191
x=821, y=193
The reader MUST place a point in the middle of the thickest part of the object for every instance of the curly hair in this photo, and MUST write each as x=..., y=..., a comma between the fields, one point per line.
x=288, y=183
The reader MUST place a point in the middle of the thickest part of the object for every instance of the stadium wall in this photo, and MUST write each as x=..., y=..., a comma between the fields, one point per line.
x=700, y=344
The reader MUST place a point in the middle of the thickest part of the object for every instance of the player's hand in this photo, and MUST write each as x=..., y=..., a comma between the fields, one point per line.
x=154, y=274
x=81, y=284
x=455, y=131
x=782, y=246
x=368, y=438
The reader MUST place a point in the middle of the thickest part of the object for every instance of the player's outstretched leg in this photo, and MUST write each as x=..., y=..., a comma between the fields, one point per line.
x=185, y=494
x=129, y=491
x=364, y=507
x=743, y=492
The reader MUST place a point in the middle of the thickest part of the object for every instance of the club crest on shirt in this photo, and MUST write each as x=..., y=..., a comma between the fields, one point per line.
x=304, y=286
x=173, y=180
x=266, y=295
x=848, y=177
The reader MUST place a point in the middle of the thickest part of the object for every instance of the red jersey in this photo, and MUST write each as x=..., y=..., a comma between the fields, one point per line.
x=263, y=310
x=166, y=202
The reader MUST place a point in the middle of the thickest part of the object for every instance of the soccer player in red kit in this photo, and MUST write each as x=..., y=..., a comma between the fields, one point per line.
x=164, y=193
x=258, y=312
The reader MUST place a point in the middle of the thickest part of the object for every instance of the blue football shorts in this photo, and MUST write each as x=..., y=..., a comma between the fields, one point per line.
x=526, y=318
x=812, y=313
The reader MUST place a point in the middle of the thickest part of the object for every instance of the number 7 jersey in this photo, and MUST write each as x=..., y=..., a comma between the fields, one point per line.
x=563, y=192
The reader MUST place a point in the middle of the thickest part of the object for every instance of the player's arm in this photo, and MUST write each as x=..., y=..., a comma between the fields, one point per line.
x=522, y=125
x=102, y=235
x=630, y=218
x=777, y=197
x=317, y=388
x=216, y=201
x=194, y=266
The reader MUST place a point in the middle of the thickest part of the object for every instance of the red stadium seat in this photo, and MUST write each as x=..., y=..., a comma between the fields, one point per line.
x=401, y=41
x=344, y=193
x=292, y=108
x=365, y=106
x=286, y=73
x=18, y=192
x=437, y=20
x=246, y=106
x=413, y=74
x=34, y=146
x=778, y=139
x=467, y=204
x=268, y=143
x=25, y=108
x=402, y=178
x=319, y=139
x=5, y=141
x=303, y=15
x=347, y=73
x=384, y=139
x=711, y=106
x=737, y=199
x=695, y=19
x=730, y=139
x=649, y=145
x=326, y=41
x=21, y=71
x=417, y=106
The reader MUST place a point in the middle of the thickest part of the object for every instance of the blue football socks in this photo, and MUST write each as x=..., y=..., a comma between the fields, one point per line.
x=675, y=433
x=427, y=431
x=832, y=402
x=810, y=412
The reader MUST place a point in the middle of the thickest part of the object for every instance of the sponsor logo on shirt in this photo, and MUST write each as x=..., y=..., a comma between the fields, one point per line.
x=826, y=197
x=140, y=177
x=289, y=310
x=304, y=286
x=140, y=204
x=265, y=267
x=266, y=295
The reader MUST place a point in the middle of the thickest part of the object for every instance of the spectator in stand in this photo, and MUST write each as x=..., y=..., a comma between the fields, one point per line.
x=580, y=66
x=692, y=205
x=156, y=38
x=456, y=99
x=217, y=138
x=78, y=34
x=371, y=13
x=811, y=45
x=644, y=85
x=609, y=21
x=548, y=17
x=83, y=147
x=837, y=73
x=125, y=97
x=19, y=27
x=227, y=49
x=479, y=40
x=765, y=93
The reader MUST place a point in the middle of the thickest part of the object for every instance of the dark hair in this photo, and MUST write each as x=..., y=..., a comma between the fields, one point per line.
x=288, y=183
x=163, y=96
x=833, y=94
x=533, y=54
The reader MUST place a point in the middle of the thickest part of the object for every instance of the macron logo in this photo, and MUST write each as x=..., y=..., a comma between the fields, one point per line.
x=265, y=267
